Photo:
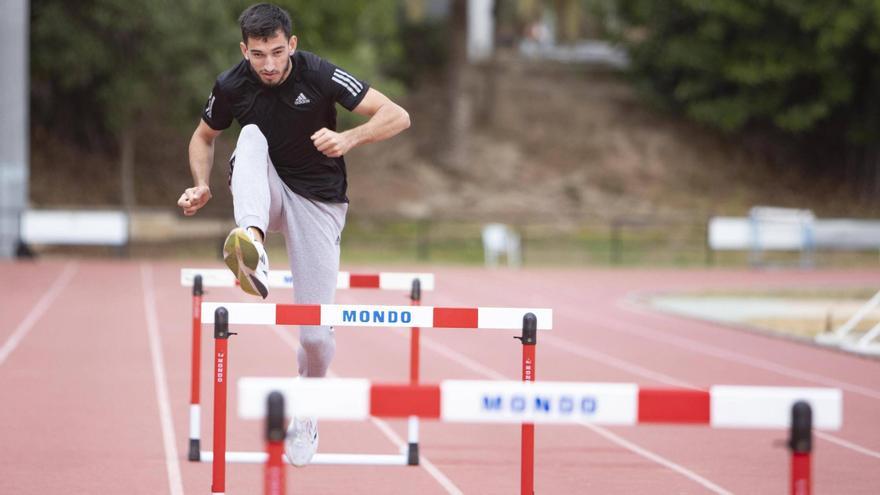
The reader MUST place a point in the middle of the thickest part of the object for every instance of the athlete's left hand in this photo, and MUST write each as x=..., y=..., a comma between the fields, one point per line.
x=332, y=144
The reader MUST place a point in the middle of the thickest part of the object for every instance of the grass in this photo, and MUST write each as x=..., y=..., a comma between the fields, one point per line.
x=808, y=327
x=848, y=293
x=657, y=244
x=839, y=303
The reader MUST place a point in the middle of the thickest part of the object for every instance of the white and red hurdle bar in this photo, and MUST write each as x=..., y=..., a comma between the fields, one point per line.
x=529, y=320
x=721, y=406
x=200, y=278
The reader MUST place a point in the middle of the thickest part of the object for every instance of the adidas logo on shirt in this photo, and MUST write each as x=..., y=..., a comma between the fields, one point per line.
x=302, y=100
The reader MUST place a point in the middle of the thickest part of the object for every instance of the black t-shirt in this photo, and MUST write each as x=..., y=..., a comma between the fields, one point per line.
x=288, y=115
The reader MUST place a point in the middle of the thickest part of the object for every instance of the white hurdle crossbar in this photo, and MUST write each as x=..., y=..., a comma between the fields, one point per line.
x=283, y=279
x=222, y=314
x=199, y=278
x=359, y=315
x=494, y=401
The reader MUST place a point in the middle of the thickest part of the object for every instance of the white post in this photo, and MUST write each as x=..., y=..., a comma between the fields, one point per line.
x=14, y=135
x=481, y=29
x=869, y=336
x=851, y=323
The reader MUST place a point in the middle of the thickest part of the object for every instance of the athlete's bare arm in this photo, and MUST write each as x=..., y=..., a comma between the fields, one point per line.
x=387, y=119
x=201, y=158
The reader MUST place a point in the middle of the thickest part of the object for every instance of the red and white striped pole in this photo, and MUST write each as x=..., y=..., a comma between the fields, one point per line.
x=194, y=406
x=413, y=430
x=221, y=376
x=273, y=483
x=801, y=445
x=529, y=339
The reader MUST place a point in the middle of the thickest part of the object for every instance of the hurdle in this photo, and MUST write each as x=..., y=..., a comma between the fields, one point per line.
x=221, y=315
x=481, y=401
x=199, y=278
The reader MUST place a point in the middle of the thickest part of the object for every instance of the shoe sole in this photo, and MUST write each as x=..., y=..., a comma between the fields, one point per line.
x=242, y=257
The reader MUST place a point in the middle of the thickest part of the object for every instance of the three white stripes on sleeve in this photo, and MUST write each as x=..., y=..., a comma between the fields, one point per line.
x=351, y=84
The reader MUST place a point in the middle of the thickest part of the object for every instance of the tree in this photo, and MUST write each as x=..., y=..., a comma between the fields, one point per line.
x=808, y=70
x=100, y=68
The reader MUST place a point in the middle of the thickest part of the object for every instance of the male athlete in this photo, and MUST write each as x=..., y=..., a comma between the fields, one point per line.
x=287, y=173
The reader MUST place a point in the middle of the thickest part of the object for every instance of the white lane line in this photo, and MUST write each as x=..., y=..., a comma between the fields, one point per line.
x=286, y=337
x=647, y=454
x=37, y=312
x=613, y=362
x=846, y=444
x=424, y=462
x=455, y=356
x=473, y=365
x=172, y=467
x=577, y=350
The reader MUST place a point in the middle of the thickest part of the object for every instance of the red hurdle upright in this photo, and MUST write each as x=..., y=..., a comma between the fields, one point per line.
x=221, y=357
x=529, y=339
x=273, y=483
x=801, y=445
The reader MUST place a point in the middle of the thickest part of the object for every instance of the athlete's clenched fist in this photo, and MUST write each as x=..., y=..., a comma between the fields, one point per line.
x=332, y=144
x=194, y=198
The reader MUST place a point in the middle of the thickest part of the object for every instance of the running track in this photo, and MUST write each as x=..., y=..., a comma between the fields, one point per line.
x=94, y=380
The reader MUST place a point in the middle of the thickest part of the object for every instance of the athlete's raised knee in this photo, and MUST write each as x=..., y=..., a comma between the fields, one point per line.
x=315, y=339
x=252, y=134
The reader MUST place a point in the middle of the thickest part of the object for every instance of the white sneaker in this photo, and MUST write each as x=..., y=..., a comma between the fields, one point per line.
x=301, y=442
x=247, y=259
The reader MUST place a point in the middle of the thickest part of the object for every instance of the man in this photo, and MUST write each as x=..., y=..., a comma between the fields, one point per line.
x=287, y=173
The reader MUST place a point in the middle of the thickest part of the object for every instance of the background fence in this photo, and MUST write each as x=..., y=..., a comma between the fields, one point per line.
x=629, y=241
x=623, y=241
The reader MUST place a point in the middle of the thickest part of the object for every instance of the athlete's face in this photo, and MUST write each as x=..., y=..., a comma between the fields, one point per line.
x=270, y=57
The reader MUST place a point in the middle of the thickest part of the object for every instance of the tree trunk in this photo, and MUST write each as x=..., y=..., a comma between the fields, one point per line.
x=485, y=113
x=454, y=153
x=872, y=185
x=126, y=167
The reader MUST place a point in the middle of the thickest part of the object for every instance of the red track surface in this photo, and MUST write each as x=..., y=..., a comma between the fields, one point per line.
x=82, y=412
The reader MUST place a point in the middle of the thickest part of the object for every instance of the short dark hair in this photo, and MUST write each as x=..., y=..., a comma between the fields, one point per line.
x=263, y=20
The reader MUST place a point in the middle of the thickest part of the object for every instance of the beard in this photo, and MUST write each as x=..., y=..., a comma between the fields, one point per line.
x=274, y=82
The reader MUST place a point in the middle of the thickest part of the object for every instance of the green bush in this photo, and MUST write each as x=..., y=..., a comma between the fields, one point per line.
x=796, y=66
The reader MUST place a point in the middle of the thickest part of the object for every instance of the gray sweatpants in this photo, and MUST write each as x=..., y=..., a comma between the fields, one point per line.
x=311, y=230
